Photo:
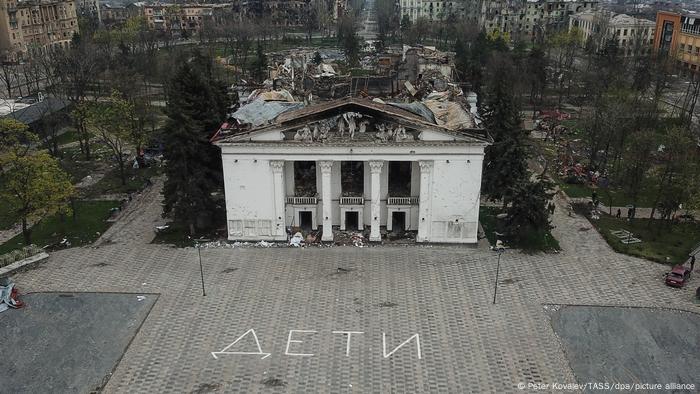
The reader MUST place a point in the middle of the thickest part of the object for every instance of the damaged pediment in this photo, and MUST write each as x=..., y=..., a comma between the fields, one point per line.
x=359, y=120
x=351, y=126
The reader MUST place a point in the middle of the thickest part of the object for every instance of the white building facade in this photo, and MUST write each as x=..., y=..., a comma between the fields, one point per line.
x=353, y=164
x=634, y=36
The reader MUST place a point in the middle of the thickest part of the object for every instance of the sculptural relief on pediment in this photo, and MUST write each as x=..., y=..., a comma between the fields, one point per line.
x=352, y=126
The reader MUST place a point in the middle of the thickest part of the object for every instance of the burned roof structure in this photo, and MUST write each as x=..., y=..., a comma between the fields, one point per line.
x=443, y=116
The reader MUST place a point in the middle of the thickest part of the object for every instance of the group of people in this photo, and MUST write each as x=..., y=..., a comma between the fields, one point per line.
x=631, y=212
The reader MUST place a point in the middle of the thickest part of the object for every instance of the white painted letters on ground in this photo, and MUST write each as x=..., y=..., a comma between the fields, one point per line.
x=290, y=341
x=386, y=355
x=226, y=350
x=295, y=337
x=347, y=347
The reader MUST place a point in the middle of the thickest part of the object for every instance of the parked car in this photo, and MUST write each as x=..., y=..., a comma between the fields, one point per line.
x=678, y=276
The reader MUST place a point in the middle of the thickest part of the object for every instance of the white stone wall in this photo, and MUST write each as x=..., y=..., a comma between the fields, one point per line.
x=250, y=205
x=254, y=210
x=455, y=200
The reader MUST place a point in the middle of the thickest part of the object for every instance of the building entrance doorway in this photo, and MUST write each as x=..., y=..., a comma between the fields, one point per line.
x=352, y=221
x=398, y=221
x=305, y=220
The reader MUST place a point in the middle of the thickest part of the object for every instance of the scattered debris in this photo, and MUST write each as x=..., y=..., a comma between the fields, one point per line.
x=140, y=298
x=263, y=244
x=9, y=296
x=296, y=240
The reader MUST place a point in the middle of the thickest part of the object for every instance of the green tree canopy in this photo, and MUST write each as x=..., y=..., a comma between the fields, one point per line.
x=505, y=161
x=197, y=105
x=113, y=121
x=37, y=187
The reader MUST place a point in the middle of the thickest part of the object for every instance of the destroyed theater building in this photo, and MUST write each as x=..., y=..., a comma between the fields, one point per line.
x=352, y=164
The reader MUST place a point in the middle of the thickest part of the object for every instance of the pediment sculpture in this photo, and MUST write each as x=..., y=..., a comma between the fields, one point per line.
x=352, y=123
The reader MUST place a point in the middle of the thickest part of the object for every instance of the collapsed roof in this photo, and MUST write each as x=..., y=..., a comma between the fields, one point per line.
x=433, y=114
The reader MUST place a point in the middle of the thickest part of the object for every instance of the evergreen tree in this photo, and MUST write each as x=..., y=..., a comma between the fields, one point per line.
x=351, y=48
x=405, y=27
x=259, y=65
x=505, y=161
x=461, y=59
x=527, y=213
x=196, y=107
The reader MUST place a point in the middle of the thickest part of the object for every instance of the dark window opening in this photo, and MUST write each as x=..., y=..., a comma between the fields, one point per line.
x=352, y=221
x=400, y=178
x=398, y=221
x=305, y=220
x=352, y=179
x=305, y=178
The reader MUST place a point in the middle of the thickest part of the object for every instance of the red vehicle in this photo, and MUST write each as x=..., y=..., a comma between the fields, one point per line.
x=678, y=276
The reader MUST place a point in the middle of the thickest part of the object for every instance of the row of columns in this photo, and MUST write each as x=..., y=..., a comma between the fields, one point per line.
x=375, y=167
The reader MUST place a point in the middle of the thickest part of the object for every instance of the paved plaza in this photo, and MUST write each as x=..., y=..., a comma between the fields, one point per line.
x=385, y=294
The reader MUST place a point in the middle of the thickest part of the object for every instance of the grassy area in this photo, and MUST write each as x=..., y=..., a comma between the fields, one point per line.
x=178, y=235
x=7, y=218
x=617, y=197
x=90, y=221
x=175, y=235
x=73, y=162
x=70, y=135
x=539, y=241
x=659, y=240
x=111, y=182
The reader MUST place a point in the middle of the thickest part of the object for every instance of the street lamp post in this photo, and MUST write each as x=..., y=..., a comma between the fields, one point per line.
x=201, y=268
x=499, y=249
x=495, y=285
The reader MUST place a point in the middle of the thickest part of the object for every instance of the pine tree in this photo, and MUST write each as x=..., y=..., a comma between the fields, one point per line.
x=527, y=213
x=259, y=66
x=505, y=161
x=196, y=107
x=462, y=62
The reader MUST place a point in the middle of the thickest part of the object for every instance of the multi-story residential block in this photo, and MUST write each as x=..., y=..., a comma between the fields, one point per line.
x=440, y=9
x=35, y=25
x=524, y=19
x=181, y=19
x=532, y=18
x=679, y=35
x=115, y=15
x=288, y=12
x=634, y=36
x=89, y=8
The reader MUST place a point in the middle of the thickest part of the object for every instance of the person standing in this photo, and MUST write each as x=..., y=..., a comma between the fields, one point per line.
x=619, y=213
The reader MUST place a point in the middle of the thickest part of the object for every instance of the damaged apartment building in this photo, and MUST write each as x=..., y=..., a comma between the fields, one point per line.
x=524, y=19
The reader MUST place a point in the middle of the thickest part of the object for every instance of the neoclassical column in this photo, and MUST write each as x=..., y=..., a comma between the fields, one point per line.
x=424, y=214
x=375, y=167
x=277, y=167
x=326, y=200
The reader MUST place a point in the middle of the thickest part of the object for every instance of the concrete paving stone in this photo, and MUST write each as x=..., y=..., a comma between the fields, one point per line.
x=443, y=293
